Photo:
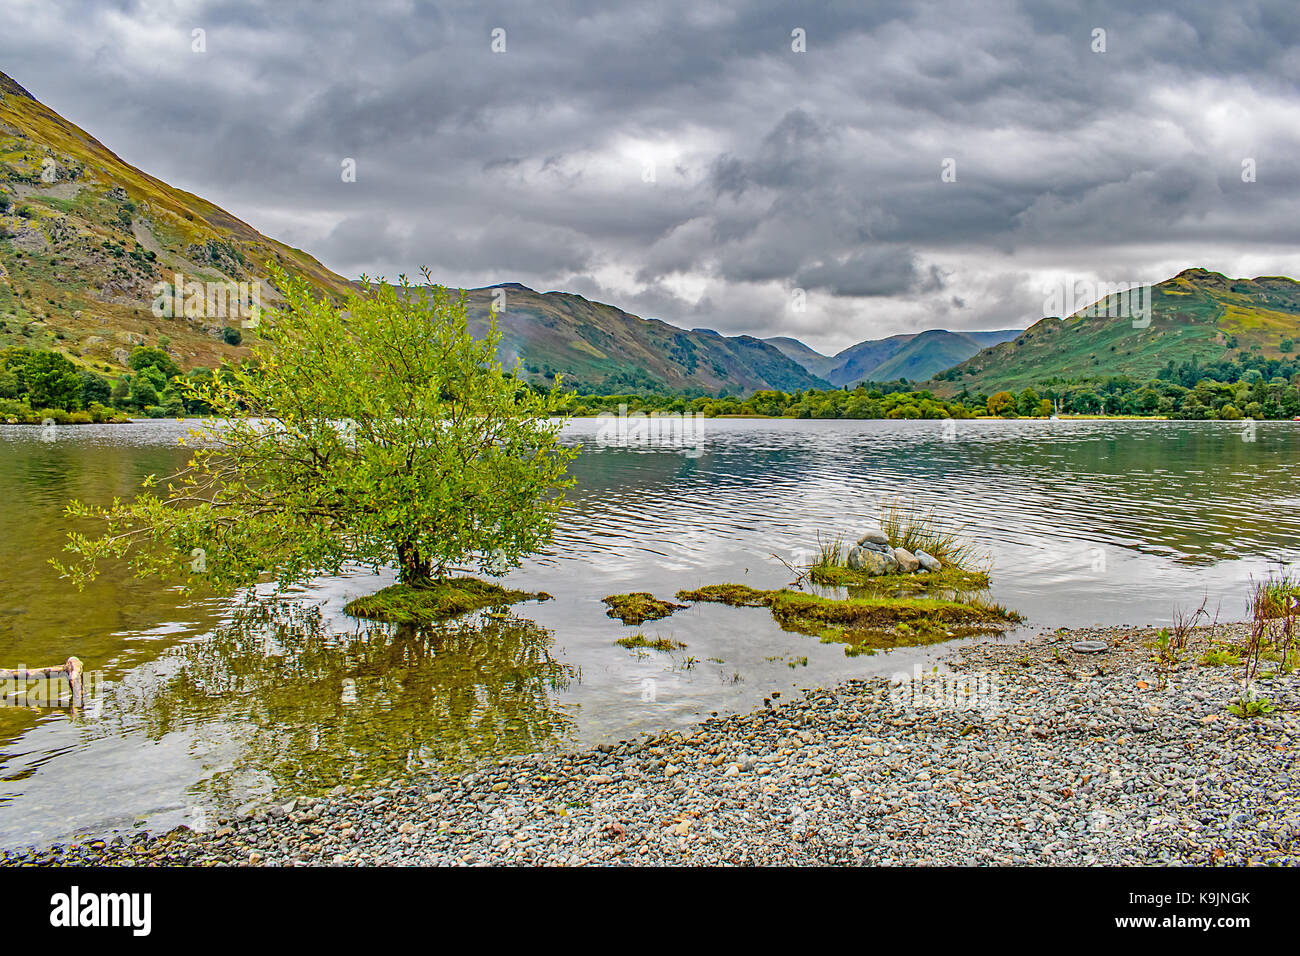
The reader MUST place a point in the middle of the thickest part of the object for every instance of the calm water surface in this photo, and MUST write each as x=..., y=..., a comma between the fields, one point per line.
x=208, y=701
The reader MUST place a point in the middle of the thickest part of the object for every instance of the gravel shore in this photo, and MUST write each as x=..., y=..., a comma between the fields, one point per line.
x=1017, y=753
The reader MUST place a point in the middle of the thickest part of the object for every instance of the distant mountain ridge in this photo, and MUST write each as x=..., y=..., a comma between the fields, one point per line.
x=599, y=347
x=916, y=356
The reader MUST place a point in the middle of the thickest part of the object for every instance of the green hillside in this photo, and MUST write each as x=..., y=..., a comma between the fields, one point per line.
x=1196, y=314
x=601, y=348
x=84, y=238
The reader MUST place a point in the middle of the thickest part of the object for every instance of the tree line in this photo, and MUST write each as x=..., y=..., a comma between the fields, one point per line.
x=36, y=384
x=1244, y=391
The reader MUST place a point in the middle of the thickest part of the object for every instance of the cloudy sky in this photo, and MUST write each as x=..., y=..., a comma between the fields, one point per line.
x=906, y=165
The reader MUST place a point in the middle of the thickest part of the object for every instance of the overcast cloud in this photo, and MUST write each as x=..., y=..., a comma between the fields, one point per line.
x=682, y=161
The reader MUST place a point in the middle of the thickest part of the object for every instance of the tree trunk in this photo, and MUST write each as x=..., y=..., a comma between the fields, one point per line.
x=412, y=567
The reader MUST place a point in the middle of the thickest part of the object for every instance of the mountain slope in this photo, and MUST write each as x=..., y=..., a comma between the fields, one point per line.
x=814, y=361
x=600, y=347
x=85, y=237
x=1196, y=313
x=935, y=351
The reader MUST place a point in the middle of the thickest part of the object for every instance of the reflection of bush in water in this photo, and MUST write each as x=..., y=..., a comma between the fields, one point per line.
x=451, y=695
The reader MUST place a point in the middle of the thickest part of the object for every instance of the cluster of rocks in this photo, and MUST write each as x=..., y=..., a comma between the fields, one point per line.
x=874, y=555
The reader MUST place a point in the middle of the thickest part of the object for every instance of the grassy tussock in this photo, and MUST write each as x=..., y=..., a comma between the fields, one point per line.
x=403, y=604
x=640, y=641
x=639, y=607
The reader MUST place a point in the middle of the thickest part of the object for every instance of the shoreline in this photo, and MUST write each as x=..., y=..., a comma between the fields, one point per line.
x=1023, y=753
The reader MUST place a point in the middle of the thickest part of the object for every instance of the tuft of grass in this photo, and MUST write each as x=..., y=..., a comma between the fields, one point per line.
x=641, y=641
x=438, y=601
x=915, y=530
x=639, y=607
x=1220, y=657
x=1274, y=608
x=830, y=552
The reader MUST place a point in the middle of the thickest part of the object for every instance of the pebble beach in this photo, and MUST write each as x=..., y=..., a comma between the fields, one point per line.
x=1012, y=753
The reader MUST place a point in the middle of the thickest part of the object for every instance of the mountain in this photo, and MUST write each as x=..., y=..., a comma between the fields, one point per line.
x=85, y=237
x=915, y=356
x=812, y=360
x=1196, y=314
x=935, y=351
x=601, y=348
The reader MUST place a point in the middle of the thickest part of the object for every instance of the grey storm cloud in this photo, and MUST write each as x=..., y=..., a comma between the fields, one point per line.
x=683, y=161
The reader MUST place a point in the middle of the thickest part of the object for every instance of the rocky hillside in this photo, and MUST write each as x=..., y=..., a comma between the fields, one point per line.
x=86, y=237
x=1196, y=314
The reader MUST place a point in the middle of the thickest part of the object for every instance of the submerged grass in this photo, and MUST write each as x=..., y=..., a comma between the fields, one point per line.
x=639, y=607
x=440, y=600
x=658, y=644
x=864, y=624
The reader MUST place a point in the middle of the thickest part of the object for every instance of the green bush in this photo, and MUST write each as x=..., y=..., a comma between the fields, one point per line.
x=52, y=380
x=95, y=389
x=58, y=415
x=145, y=357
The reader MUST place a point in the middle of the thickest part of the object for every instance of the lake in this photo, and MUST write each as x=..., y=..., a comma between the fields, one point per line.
x=204, y=702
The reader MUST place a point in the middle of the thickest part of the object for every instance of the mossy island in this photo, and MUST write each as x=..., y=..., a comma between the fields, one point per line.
x=438, y=600
x=864, y=624
x=639, y=607
x=904, y=583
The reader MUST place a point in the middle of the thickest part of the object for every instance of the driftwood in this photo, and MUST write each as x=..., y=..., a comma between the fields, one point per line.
x=71, y=669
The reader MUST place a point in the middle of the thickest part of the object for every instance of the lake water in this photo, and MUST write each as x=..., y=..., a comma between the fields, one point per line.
x=207, y=701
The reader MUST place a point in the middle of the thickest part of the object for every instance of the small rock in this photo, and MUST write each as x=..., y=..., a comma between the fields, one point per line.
x=907, y=562
x=873, y=536
x=928, y=561
x=1089, y=647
